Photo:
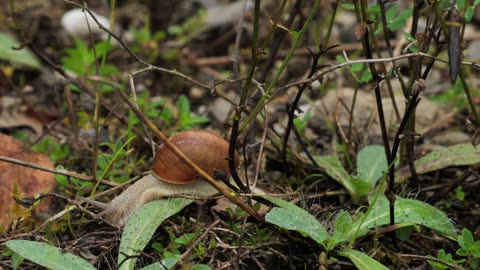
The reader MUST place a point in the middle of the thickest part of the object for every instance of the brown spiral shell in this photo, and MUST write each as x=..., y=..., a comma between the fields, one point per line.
x=205, y=148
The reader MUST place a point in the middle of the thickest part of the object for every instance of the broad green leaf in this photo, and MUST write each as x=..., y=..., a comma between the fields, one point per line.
x=142, y=225
x=47, y=255
x=406, y=211
x=292, y=217
x=371, y=163
x=457, y=155
x=362, y=261
x=23, y=57
x=335, y=170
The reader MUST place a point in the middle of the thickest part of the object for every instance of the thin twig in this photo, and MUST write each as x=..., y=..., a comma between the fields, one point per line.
x=433, y=259
x=55, y=171
x=197, y=241
x=322, y=73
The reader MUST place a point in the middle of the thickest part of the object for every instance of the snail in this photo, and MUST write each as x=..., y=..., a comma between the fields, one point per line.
x=170, y=176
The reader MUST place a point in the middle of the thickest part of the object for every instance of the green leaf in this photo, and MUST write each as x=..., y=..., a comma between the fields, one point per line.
x=457, y=155
x=462, y=252
x=406, y=211
x=23, y=57
x=366, y=76
x=446, y=257
x=342, y=60
x=465, y=240
x=361, y=188
x=183, y=107
x=17, y=260
x=334, y=169
x=459, y=193
x=165, y=264
x=198, y=120
x=292, y=217
x=343, y=222
x=362, y=261
x=475, y=249
x=357, y=67
x=371, y=163
x=469, y=14
x=47, y=255
x=391, y=12
x=301, y=123
x=401, y=20
x=372, y=10
x=142, y=225
x=201, y=267
x=474, y=263
x=348, y=6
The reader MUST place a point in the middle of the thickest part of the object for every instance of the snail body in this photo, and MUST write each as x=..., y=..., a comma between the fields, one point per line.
x=170, y=176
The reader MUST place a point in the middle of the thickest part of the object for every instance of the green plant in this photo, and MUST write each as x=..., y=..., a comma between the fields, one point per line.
x=469, y=248
x=114, y=162
x=185, y=118
x=16, y=259
x=56, y=152
x=359, y=71
x=147, y=43
x=468, y=8
x=459, y=194
x=191, y=27
x=347, y=228
x=301, y=123
x=446, y=257
x=180, y=118
x=81, y=59
x=371, y=166
x=469, y=251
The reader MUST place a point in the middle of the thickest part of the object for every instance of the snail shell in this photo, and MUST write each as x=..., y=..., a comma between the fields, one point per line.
x=170, y=175
x=206, y=149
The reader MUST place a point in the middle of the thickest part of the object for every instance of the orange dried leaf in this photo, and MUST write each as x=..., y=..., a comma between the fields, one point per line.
x=28, y=181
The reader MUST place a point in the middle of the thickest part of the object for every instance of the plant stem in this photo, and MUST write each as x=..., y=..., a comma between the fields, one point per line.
x=296, y=42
